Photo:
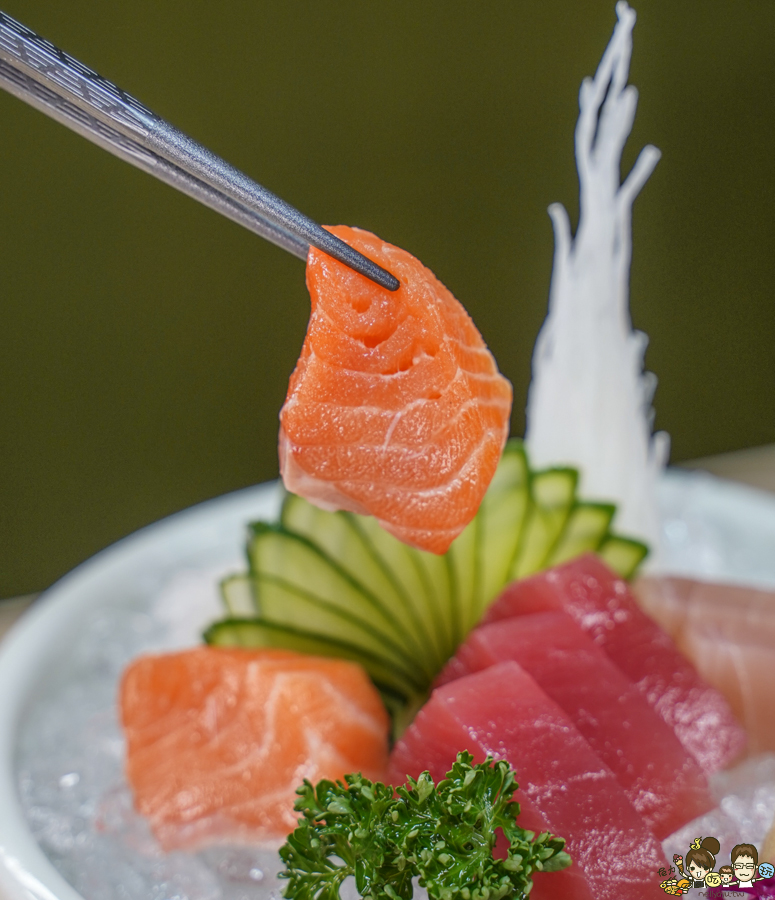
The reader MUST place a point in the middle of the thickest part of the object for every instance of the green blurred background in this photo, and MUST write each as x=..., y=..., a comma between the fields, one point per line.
x=147, y=342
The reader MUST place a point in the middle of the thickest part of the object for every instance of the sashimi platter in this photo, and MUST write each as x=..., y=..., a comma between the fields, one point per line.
x=432, y=659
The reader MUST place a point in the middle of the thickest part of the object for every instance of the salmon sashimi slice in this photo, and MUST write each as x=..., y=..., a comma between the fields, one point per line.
x=564, y=787
x=396, y=408
x=603, y=605
x=219, y=739
x=661, y=780
x=728, y=632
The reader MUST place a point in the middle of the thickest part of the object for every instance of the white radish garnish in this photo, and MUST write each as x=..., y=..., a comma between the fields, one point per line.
x=589, y=403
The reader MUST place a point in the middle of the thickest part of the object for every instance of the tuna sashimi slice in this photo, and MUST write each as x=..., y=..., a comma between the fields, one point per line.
x=219, y=739
x=661, y=780
x=728, y=632
x=603, y=605
x=396, y=407
x=564, y=787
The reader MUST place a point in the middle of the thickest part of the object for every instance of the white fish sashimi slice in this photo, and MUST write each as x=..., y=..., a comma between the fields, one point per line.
x=732, y=611
x=728, y=632
x=745, y=674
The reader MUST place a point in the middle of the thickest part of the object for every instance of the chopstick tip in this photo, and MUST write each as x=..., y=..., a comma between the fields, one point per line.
x=391, y=282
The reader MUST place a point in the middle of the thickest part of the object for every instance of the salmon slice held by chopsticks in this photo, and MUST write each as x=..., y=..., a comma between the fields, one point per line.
x=396, y=408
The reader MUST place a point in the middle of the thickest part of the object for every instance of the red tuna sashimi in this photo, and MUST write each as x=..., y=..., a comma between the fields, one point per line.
x=564, y=787
x=728, y=632
x=661, y=780
x=602, y=604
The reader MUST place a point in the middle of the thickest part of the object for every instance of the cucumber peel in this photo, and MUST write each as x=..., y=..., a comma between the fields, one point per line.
x=337, y=584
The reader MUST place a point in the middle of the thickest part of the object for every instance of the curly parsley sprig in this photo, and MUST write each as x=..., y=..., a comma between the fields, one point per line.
x=444, y=834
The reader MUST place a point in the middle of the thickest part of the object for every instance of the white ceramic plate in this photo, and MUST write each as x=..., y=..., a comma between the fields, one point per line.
x=712, y=529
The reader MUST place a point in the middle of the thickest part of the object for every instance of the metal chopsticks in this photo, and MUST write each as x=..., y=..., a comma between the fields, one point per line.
x=47, y=78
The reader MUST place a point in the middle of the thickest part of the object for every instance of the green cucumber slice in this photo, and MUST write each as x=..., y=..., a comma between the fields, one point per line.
x=338, y=584
x=622, y=554
x=341, y=536
x=552, y=495
x=255, y=633
x=463, y=562
x=585, y=529
x=276, y=552
x=482, y=555
x=289, y=606
x=423, y=578
x=238, y=597
x=502, y=516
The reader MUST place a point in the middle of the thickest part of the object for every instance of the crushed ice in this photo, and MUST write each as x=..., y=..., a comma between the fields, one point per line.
x=746, y=798
x=70, y=765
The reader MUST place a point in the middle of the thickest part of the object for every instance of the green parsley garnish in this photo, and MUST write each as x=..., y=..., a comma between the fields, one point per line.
x=442, y=834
